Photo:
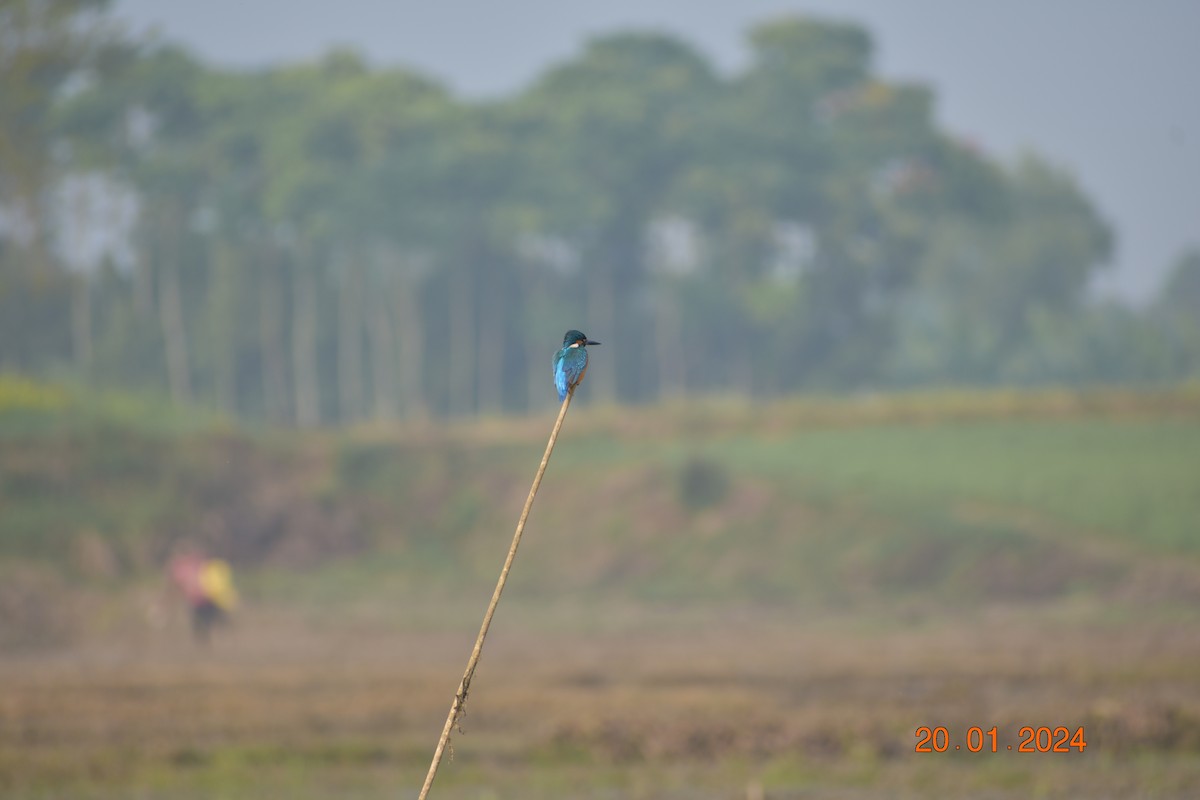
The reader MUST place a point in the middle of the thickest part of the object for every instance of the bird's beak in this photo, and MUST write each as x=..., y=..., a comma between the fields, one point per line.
x=589, y=341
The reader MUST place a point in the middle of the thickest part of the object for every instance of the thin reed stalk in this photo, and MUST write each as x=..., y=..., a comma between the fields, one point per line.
x=460, y=697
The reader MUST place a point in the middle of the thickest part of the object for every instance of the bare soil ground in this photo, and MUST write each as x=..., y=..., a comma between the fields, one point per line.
x=663, y=703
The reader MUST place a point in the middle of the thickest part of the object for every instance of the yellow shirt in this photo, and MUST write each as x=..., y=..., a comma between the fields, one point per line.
x=216, y=579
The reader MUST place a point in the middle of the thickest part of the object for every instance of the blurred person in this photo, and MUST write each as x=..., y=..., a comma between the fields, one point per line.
x=207, y=586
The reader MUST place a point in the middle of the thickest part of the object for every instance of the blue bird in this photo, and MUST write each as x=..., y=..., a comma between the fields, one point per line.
x=570, y=363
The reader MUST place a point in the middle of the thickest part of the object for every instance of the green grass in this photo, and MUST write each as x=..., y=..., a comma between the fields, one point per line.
x=788, y=503
x=1138, y=481
x=1132, y=480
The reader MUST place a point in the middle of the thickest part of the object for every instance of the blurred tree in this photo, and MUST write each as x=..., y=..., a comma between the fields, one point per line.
x=817, y=203
x=990, y=290
x=144, y=124
x=618, y=131
x=49, y=49
x=328, y=240
x=1178, y=311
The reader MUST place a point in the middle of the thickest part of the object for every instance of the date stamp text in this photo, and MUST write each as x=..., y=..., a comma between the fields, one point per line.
x=977, y=740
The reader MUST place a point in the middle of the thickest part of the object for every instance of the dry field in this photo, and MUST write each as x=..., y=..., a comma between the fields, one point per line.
x=661, y=703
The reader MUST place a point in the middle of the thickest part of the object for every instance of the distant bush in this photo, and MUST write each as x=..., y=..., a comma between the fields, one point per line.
x=703, y=483
x=18, y=393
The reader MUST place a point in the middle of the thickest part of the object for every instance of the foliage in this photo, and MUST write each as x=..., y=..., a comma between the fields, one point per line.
x=22, y=394
x=703, y=483
x=1179, y=321
x=332, y=241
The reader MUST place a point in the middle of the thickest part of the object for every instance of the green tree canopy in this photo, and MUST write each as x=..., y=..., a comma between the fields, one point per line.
x=330, y=240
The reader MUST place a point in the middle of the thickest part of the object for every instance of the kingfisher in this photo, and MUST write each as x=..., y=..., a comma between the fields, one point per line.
x=570, y=363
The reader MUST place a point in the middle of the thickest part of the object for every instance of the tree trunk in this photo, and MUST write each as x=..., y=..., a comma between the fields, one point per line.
x=410, y=332
x=349, y=364
x=143, y=269
x=491, y=345
x=539, y=355
x=304, y=346
x=669, y=348
x=462, y=342
x=143, y=288
x=223, y=322
x=170, y=306
x=271, y=338
x=81, y=280
x=537, y=380
x=601, y=310
x=81, y=324
x=383, y=352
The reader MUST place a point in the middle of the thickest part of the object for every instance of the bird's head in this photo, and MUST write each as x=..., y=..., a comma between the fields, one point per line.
x=576, y=339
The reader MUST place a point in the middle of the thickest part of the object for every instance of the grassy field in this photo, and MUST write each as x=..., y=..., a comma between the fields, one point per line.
x=1133, y=480
x=711, y=602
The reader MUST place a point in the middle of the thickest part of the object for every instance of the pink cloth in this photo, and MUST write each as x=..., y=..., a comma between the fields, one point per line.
x=185, y=572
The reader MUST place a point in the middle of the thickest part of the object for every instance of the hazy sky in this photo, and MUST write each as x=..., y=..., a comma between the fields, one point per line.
x=1105, y=88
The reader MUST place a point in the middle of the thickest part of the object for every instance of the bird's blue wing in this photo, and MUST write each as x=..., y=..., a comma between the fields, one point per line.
x=568, y=366
x=560, y=377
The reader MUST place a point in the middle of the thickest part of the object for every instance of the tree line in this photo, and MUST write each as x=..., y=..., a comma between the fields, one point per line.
x=332, y=241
